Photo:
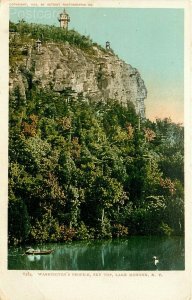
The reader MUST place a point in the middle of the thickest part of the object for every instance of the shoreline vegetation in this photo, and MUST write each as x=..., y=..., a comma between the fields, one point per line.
x=81, y=170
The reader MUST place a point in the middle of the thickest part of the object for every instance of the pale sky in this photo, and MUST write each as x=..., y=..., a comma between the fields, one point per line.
x=151, y=40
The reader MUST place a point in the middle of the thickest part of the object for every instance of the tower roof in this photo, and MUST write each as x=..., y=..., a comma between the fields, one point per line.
x=64, y=13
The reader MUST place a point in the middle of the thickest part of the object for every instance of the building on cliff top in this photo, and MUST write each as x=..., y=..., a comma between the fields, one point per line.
x=64, y=19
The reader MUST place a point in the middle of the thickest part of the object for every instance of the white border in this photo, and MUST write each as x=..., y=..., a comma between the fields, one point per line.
x=172, y=285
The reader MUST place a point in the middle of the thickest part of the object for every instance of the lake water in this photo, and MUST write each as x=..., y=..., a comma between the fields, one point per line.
x=133, y=253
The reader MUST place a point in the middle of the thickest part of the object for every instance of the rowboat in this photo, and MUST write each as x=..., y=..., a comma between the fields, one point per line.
x=38, y=252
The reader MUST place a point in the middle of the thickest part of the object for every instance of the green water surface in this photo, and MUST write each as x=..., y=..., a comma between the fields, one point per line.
x=133, y=253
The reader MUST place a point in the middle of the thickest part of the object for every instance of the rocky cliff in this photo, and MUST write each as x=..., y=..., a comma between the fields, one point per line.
x=97, y=74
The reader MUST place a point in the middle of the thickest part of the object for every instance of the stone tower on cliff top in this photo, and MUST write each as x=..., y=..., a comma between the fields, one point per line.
x=64, y=19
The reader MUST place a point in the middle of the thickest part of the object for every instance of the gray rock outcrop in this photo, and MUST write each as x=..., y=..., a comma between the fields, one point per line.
x=99, y=75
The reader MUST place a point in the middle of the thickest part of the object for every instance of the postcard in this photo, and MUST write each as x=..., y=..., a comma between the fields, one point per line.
x=95, y=150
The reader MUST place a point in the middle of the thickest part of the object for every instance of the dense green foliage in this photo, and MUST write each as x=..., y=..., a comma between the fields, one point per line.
x=81, y=170
x=47, y=33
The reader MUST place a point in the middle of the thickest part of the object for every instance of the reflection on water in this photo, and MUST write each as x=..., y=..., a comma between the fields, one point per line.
x=33, y=257
x=134, y=253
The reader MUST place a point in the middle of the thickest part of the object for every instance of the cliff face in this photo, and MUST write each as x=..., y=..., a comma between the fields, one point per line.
x=97, y=75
